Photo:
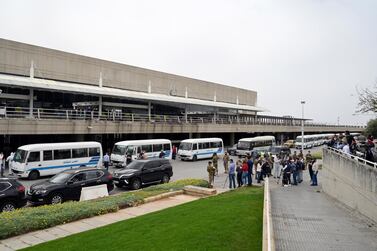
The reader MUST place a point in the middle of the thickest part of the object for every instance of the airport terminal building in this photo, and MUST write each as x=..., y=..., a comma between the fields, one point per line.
x=50, y=96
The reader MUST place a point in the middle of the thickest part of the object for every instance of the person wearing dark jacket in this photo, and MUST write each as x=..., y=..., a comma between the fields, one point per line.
x=250, y=164
x=239, y=173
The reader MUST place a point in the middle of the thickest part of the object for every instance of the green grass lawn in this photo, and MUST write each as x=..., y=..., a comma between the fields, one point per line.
x=230, y=221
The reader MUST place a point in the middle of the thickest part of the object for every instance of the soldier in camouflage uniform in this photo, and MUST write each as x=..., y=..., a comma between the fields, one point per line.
x=226, y=161
x=215, y=159
x=211, y=173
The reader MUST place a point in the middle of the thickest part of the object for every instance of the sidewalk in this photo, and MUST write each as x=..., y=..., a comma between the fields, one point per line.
x=304, y=218
x=34, y=238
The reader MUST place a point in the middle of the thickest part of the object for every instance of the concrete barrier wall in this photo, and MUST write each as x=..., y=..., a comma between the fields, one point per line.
x=351, y=182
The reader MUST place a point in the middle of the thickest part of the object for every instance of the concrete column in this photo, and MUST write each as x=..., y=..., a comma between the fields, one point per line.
x=31, y=102
x=99, y=106
x=186, y=113
x=149, y=111
x=231, y=139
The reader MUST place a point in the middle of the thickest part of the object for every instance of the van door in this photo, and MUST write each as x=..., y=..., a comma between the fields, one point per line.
x=33, y=162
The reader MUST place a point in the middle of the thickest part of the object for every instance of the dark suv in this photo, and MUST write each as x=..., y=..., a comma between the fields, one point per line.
x=12, y=195
x=67, y=185
x=142, y=172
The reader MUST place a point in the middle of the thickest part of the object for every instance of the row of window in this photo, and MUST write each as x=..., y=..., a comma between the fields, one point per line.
x=155, y=148
x=64, y=154
x=206, y=145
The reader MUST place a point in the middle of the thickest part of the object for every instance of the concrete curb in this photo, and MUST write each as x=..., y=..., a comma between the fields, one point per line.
x=162, y=196
x=268, y=233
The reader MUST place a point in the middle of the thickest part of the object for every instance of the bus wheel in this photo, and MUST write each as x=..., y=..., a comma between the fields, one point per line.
x=195, y=158
x=33, y=175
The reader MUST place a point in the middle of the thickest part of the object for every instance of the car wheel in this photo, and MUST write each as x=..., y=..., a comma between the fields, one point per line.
x=7, y=207
x=165, y=179
x=33, y=175
x=194, y=158
x=56, y=199
x=136, y=184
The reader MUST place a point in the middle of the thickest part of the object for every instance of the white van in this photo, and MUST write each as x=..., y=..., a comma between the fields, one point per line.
x=33, y=161
x=262, y=143
x=194, y=149
x=151, y=147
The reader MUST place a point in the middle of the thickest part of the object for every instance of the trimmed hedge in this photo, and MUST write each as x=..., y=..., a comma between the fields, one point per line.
x=29, y=219
x=317, y=155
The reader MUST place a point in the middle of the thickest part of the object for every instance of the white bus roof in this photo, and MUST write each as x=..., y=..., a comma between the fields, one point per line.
x=143, y=141
x=259, y=138
x=50, y=146
x=200, y=140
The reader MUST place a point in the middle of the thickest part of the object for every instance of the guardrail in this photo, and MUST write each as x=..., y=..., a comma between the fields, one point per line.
x=72, y=114
x=352, y=157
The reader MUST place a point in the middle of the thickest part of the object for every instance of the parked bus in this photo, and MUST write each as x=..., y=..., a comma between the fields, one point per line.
x=194, y=149
x=36, y=160
x=151, y=147
x=260, y=143
x=313, y=140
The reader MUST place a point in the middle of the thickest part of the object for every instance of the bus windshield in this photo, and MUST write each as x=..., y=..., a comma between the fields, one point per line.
x=243, y=145
x=119, y=149
x=20, y=156
x=185, y=146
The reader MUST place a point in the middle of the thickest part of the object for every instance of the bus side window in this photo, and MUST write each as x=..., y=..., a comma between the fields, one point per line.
x=157, y=148
x=166, y=147
x=47, y=155
x=94, y=151
x=147, y=148
x=194, y=146
x=34, y=157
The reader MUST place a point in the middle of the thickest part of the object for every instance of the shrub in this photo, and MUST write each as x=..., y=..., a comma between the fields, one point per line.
x=29, y=219
x=317, y=155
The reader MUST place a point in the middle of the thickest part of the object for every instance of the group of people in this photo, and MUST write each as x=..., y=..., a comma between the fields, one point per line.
x=4, y=161
x=288, y=167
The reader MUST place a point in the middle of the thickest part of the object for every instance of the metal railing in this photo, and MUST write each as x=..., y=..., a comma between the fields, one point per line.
x=116, y=116
x=351, y=156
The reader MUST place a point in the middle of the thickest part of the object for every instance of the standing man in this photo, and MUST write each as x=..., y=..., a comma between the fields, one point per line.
x=226, y=160
x=174, y=152
x=211, y=173
x=106, y=161
x=9, y=160
x=250, y=165
x=232, y=174
x=215, y=159
x=2, y=167
x=308, y=158
x=293, y=169
x=315, y=172
x=277, y=161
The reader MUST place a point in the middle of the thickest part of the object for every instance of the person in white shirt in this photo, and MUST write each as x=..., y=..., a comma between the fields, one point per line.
x=346, y=149
x=106, y=161
x=277, y=162
x=9, y=160
x=315, y=172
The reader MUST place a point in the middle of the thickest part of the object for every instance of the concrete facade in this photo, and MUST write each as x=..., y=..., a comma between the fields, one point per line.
x=350, y=182
x=16, y=58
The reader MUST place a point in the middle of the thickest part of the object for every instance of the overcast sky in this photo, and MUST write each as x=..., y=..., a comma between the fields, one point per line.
x=319, y=51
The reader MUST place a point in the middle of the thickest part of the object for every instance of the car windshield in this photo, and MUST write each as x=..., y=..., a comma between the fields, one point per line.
x=135, y=165
x=185, y=146
x=119, y=149
x=243, y=145
x=60, y=178
x=20, y=156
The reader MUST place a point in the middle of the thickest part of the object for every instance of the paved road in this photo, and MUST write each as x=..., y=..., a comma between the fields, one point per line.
x=304, y=218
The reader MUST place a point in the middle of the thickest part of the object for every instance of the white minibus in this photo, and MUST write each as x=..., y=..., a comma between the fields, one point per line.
x=194, y=149
x=308, y=142
x=262, y=143
x=151, y=147
x=33, y=161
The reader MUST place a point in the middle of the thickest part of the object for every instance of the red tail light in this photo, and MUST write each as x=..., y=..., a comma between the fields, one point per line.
x=21, y=189
x=110, y=177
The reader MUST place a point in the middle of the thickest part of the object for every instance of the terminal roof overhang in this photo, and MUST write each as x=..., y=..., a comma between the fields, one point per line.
x=44, y=84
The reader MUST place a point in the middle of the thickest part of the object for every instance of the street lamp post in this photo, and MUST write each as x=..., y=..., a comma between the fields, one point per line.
x=302, y=126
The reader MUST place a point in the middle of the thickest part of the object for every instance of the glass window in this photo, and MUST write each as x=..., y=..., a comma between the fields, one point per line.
x=47, y=155
x=34, y=157
x=80, y=153
x=4, y=186
x=60, y=178
x=118, y=149
x=150, y=165
x=146, y=148
x=157, y=148
x=62, y=154
x=166, y=147
x=204, y=145
x=94, y=151
x=195, y=146
x=78, y=177
x=20, y=156
x=91, y=175
x=216, y=144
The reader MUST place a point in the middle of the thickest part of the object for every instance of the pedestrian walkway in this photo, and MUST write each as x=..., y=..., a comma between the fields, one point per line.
x=304, y=218
x=34, y=238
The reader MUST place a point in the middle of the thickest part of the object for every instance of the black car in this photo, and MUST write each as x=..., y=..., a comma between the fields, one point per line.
x=282, y=150
x=142, y=172
x=67, y=185
x=12, y=195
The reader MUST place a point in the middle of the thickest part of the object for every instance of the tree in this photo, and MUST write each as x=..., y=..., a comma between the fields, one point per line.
x=367, y=100
x=372, y=128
